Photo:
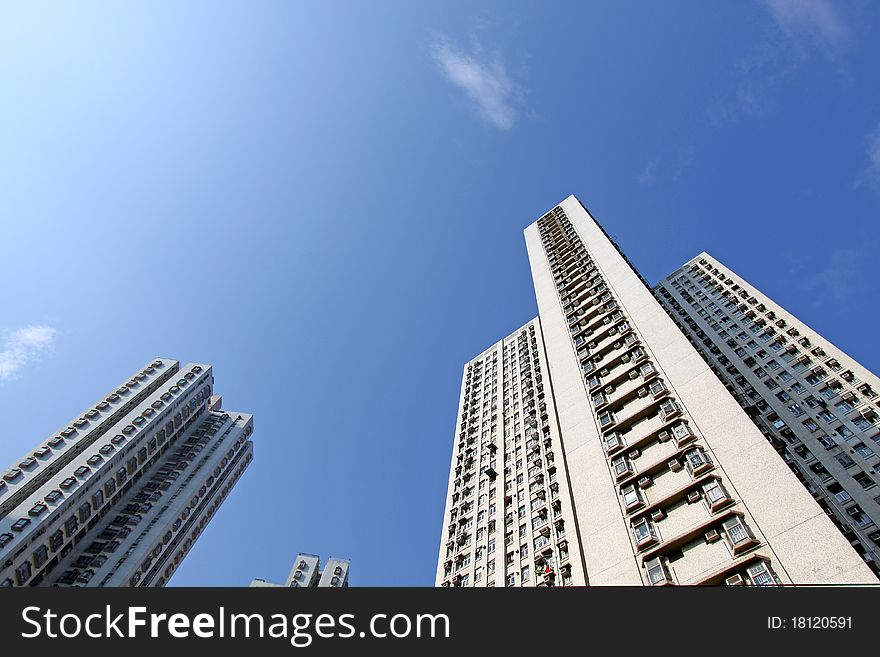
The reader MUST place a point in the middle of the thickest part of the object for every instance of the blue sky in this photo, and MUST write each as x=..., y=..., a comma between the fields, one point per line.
x=326, y=202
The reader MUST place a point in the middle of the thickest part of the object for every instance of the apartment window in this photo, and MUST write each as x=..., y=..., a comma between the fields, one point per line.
x=739, y=536
x=632, y=497
x=612, y=442
x=643, y=531
x=621, y=466
x=56, y=540
x=715, y=493
x=20, y=524
x=845, y=460
x=606, y=419
x=658, y=574
x=864, y=480
x=41, y=555
x=697, y=461
x=811, y=425
x=71, y=525
x=23, y=573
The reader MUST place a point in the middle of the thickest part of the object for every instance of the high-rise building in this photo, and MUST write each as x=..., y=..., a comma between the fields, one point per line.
x=509, y=517
x=814, y=403
x=661, y=477
x=306, y=572
x=119, y=496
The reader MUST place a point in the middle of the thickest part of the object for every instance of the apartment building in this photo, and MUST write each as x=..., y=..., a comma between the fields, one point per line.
x=307, y=572
x=509, y=517
x=816, y=405
x=118, y=496
x=661, y=476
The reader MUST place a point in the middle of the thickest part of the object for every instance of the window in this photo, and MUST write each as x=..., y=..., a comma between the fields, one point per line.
x=864, y=480
x=716, y=495
x=613, y=442
x=23, y=573
x=20, y=524
x=606, y=419
x=632, y=497
x=739, y=536
x=697, y=461
x=643, y=531
x=41, y=556
x=56, y=540
x=658, y=574
x=71, y=525
x=682, y=434
x=657, y=388
x=621, y=467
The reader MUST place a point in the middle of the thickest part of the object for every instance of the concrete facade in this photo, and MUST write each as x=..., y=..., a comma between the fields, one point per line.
x=118, y=497
x=815, y=404
x=663, y=478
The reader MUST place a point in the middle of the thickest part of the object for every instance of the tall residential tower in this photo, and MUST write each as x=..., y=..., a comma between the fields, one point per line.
x=661, y=477
x=817, y=406
x=119, y=496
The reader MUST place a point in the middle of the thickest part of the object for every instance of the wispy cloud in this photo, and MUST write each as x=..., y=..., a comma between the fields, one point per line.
x=838, y=280
x=810, y=23
x=23, y=346
x=483, y=78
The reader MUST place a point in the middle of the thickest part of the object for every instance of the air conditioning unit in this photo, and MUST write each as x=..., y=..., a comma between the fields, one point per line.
x=636, y=453
x=663, y=436
x=643, y=392
x=693, y=496
x=734, y=580
x=645, y=482
x=675, y=465
x=712, y=535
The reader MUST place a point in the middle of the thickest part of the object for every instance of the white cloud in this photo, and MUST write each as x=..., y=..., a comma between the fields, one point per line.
x=484, y=80
x=809, y=22
x=22, y=346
